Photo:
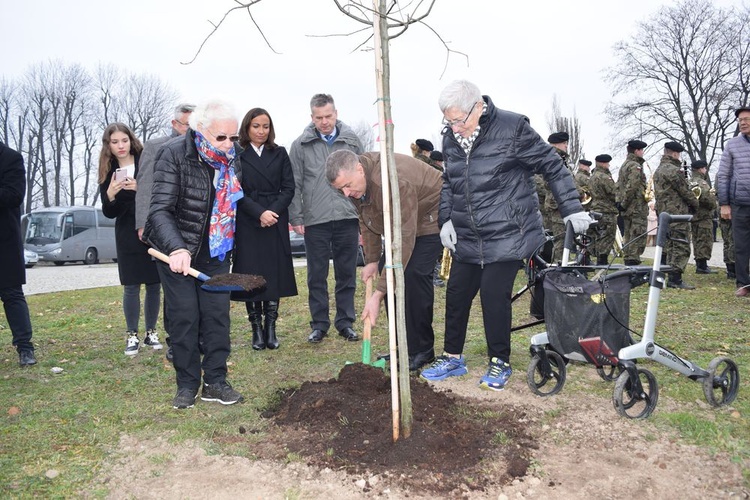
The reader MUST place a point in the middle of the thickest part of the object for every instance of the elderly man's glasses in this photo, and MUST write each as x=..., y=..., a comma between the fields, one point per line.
x=223, y=137
x=453, y=123
x=183, y=124
x=744, y=120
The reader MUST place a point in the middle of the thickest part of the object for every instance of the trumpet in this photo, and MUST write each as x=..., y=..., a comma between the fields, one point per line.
x=445, y=265
x=585, y=196
x=696, y=189
x=648, y=194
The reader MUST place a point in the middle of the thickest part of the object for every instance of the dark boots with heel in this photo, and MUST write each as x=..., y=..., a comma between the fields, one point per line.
x=255, y=315
x=271, y=311
x=701, y=267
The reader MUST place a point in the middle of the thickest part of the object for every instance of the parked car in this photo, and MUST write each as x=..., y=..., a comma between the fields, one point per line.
x=30, y=258
x=298, y=247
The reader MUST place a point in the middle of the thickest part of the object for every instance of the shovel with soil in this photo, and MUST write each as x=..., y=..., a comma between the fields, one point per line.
x=230, y=282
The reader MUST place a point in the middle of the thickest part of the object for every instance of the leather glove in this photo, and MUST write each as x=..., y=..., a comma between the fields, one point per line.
x=579, y=220
x=448, y=236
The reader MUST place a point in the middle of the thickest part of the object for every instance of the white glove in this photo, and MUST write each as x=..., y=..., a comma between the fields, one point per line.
x=448, y=236
x=579, y=220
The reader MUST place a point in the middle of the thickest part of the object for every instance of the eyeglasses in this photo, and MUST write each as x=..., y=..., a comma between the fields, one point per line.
x=744, y=120
x=453, y=123
x=183, y=124
x=224, y=137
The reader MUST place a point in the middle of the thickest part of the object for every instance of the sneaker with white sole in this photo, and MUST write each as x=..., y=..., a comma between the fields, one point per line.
x=497, y=375
x=132, y=344
x=444, y=367
x=185, y=398
x=221, y=392
x=152, y=339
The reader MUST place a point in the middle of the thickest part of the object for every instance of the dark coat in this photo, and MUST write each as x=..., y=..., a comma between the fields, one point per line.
x=134, y=264
x=268, y=183
x=491, y=197
x=12, y=190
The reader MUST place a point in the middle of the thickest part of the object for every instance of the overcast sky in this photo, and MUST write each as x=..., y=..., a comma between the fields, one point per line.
x=520, y=53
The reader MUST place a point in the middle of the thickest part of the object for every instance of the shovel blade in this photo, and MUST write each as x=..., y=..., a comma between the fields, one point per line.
x=222, y=288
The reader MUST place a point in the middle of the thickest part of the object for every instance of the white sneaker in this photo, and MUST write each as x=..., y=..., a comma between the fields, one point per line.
x=152, y=339
x=132, y=344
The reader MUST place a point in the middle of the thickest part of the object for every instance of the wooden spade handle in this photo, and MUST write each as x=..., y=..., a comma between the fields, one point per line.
x=368, y=324
x=164, y=258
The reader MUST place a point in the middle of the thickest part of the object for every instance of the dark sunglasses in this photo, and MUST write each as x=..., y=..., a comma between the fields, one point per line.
x=222, y=137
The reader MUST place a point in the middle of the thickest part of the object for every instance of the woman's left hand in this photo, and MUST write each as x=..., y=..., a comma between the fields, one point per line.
x=268, y=218
x=130, y=184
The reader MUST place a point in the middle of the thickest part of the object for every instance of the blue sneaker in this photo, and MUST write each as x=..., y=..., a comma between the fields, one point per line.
x=444, y=367
x=497, y=375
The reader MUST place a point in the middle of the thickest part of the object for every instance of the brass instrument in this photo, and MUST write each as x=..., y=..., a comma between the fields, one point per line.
x=445, y=265
x=696, y=189
x=648, y=195
x=585, y=197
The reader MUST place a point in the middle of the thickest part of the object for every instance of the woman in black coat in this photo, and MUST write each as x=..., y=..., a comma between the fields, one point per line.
x=262, y=233
x=118, y=167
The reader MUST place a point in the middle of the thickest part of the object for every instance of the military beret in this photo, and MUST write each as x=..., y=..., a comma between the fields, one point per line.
x=740, y=110
x=436, y=155
x=636, y=144
x=424, y=145
x=558, y=137
x=603, y=159
x=674, y=146
x=585, y=162
x=699, y=164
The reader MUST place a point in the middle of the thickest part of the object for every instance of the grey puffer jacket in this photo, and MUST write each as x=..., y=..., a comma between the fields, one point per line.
x=490, y=195
x=315, y=201
x=733, y=178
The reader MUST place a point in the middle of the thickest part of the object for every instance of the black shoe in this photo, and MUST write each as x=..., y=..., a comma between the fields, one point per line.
x=221, y=392
x=707, y=270
x=26, y=357
x=420, y=359
x=349, y=334
x=680, y=285
x=185, y=398
x=255, y=316
x=316, y=336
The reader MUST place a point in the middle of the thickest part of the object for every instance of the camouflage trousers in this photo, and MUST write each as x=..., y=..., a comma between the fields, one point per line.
x=558, y=230
x=634, y=239
x=605, y=234
x=725, y=226
x=703, y=239
x=678, y=252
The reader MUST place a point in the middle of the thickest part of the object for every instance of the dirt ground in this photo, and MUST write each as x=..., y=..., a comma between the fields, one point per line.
x=466, y=443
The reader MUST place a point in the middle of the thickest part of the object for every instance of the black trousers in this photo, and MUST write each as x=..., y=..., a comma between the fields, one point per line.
x=495, y=284
x=340, y=239
x=741, y=231
x=17, y=314
x=198, y=323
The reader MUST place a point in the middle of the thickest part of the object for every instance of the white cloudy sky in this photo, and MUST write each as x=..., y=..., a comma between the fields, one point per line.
x=520, y=53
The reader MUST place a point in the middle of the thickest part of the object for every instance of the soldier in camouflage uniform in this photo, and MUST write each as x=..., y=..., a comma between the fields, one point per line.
x=725, y=226
x=702, y=225
x=631, y=190
x=421, y=149
x=582, y=178
x=559, y=141
x=604, y=201
x=673, y=195
x=436, y=157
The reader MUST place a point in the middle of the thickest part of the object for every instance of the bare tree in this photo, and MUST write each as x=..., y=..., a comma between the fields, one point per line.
x=147, y=105
x=681, y=76
x=365, y=134
x=559, y=123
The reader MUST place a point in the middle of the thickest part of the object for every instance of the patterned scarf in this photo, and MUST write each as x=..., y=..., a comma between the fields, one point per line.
x=228, y=192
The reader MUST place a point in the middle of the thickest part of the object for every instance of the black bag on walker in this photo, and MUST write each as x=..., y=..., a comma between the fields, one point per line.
x=580, y=326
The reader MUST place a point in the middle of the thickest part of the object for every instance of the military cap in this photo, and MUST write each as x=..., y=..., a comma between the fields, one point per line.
x=636, y=144
x=584, y=162
x=558, y=137
x=740, y=110
x=424, y=145
x=699, y=164
x=436, y=155
x=674, y=146
x=603, y=159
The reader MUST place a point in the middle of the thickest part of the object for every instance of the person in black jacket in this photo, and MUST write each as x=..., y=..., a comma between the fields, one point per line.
x=262, y=243
x=13, y=275
x=490, y=220
x=118, y=167
x=191, y=219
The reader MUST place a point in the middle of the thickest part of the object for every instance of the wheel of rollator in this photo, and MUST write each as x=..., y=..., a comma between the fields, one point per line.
x=720, y=387
x=609, y=373
x=546, y=384
x=632, y=404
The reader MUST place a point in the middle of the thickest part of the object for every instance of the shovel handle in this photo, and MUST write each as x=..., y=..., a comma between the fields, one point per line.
x=164, y=258
x=368, y=325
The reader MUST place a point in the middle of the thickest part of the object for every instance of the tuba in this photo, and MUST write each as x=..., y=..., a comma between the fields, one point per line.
x=445, y=265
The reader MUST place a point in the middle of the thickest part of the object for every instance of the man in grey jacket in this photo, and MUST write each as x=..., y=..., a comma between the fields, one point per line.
x=733, y=190
x=326, y=218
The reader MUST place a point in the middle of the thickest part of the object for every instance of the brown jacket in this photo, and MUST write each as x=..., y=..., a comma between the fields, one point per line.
x=419, y=187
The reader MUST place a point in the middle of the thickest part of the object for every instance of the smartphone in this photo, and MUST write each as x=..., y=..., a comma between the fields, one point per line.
x=121, y=174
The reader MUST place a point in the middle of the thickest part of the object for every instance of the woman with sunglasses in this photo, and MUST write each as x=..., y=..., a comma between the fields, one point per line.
x=192, y=220
x=262, y=244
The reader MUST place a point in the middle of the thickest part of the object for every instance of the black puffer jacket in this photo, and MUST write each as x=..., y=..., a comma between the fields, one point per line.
x=490, y=196
x=181, y=199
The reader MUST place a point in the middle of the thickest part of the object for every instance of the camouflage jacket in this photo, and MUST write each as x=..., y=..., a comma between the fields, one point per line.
x=707, y=202
x=550, y=204
x=631, y=187
x=582, y=179
x=671, y=188
x=603, y=191
x=542, y=190
x=429, y=161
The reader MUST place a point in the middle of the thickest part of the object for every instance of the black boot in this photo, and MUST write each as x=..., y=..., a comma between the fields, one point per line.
x=675, y=281
x=730, y=271
x=255, y=315
x=701, y=267
x=601, y=259
x=271, y=310
x=632, y=262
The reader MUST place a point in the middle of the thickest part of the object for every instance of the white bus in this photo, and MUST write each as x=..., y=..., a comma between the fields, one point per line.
x=70, y=234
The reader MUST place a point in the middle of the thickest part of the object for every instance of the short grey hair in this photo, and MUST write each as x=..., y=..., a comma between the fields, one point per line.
x=320, y=100
x=210, y=111
x=338, y=161
x=459, y=94
x=183, y=108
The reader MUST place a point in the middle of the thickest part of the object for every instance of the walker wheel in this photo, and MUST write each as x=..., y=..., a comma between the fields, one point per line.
x=537, y=380
x=609, y=373
x=631, y=403
x=722, y=383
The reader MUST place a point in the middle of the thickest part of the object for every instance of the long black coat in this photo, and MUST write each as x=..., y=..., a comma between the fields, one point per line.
x=134, y=263
x=12, y=190
x=268, y=183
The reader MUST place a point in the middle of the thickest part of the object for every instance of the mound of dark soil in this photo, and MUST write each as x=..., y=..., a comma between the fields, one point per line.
x=346, y=423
